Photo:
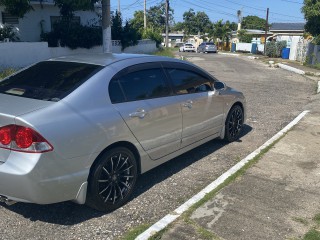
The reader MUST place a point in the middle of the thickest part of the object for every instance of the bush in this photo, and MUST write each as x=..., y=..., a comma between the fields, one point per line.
x=73, y=35
x=274, y=49
x=153, y=35
x=316, y=40
x=10, y=32
x=6, y=72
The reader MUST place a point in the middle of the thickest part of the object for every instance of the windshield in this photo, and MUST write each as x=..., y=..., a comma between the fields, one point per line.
x=210, y=43
x=48, y=80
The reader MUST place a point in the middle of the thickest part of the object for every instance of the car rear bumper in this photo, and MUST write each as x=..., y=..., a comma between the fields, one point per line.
x=38, y=178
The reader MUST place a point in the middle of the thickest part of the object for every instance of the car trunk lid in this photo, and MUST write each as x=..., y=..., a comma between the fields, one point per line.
x=13, y=106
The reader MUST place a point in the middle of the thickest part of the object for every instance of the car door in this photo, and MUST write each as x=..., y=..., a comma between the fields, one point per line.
x=201, y=105
x=144, y=99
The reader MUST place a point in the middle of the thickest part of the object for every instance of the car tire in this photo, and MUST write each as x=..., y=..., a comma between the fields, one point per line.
x=234, y=124
x=112, y=179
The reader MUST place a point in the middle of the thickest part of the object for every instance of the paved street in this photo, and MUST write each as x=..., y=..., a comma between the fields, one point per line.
x=274, y=98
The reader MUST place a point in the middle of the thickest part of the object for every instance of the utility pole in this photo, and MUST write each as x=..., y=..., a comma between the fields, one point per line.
x=118, y=6
x=266, y=32
x=144, y=15
x=106, y=28
x=167, y=23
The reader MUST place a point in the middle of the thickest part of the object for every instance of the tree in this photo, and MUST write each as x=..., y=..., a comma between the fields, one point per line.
x=253, y=22
x=67, y=7
x=311, y=11
x=244, y=36
x=156, y=17
x=137, y=21
x=222, y=31
x=17, y=7
x=196, y=22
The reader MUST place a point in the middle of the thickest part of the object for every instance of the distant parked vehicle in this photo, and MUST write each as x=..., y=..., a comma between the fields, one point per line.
x=187, y=47
x=207, y=47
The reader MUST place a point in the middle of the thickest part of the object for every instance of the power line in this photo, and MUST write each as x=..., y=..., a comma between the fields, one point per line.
x=292, y=2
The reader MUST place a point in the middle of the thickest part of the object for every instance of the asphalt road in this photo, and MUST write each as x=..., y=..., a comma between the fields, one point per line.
x=274, y=98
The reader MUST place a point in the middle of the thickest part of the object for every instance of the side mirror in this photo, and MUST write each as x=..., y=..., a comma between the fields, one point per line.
x=219, y=85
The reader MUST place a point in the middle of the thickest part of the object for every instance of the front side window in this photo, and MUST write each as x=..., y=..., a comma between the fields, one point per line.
x=186, y=82
x=48, y=80
x=139, y=85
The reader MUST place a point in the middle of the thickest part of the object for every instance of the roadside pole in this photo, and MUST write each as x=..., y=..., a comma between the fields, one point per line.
x=106, y=26
x=266, y=32
x=167, y=23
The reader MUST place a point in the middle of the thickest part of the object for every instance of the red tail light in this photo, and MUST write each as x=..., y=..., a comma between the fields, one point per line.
x=23, y=139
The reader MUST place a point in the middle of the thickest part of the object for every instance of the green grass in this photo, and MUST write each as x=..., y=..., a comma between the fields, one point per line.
x=6, y=72
x=312, y=235
x=300, y=220
x=135, y=232
x=167, y=52
x=316, y=218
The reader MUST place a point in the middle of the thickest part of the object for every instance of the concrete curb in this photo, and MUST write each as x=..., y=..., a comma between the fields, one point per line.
x=291, y=69
x=168, y=219
x=229, y=54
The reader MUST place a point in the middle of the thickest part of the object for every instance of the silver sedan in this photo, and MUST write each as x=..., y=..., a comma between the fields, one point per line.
x=83, y=127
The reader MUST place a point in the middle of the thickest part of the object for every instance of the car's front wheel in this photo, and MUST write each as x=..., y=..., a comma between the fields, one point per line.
x=234, y=124
x=112, y=179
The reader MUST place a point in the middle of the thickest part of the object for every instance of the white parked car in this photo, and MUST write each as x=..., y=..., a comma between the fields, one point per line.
x=187, y=47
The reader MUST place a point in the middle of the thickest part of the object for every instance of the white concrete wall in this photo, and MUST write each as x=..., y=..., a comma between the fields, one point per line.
x=293, y=48
x=30, y=28
x=21, y=54
x=245, y=47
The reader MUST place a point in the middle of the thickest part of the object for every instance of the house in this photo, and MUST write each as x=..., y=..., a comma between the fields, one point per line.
x=258, y=36
x=43, y=17
x=173, y=38
x=286, y=31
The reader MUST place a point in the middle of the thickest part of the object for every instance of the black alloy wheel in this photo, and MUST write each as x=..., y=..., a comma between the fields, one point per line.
x=234, y=124
x=112, y=180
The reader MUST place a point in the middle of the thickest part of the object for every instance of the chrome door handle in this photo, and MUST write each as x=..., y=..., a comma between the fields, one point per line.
x=140, y=113
x=188, y=104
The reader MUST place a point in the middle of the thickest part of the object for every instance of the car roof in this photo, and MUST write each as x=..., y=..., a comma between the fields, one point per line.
x=102, y=59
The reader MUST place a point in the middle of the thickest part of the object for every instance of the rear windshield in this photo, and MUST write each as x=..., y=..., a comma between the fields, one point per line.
x=49, y=80
x=210, y=43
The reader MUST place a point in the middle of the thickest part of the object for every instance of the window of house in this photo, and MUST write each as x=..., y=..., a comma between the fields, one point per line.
x=7, y=18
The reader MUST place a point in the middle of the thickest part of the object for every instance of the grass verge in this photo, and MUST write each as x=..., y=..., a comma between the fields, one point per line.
x=167, y=52
x=135, y=232
x=6, y=72
x=186, y=215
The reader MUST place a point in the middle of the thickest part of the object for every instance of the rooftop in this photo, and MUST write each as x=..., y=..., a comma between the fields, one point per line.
x=287, y=27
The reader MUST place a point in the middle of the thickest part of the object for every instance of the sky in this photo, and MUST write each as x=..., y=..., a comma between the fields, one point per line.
x=279, y=10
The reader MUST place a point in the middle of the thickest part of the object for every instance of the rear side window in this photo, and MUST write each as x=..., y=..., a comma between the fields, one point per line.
x=49, y=80
x=186, y=82
x=139, y=85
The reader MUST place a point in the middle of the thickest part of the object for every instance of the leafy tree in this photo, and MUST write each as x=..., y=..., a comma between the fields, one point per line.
x=137, y=21
x=311, y=11
x=253, y=22
x=196, y=22
x=116, y=29
x=67, y=7
x=17, y=7
x=244, y=36
x=222, y=31
x=179, y=26
x=156, y=17
x=189, y=21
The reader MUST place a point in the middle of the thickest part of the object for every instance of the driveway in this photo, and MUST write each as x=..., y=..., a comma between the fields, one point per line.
x=274, y=98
